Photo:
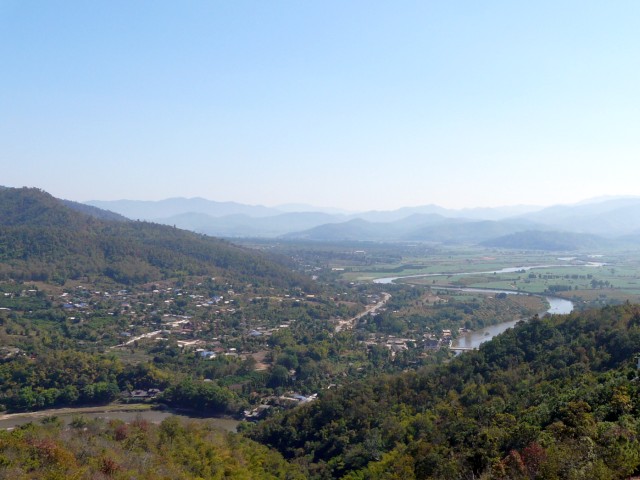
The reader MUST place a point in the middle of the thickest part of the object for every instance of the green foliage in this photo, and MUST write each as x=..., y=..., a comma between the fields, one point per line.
x=172, y=450
x=43, y=239
x=279, y=376
x=205, y=397
x=550, y=398
x=58, y=378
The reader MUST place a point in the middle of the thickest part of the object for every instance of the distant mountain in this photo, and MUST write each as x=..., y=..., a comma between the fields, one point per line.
x=95, y=211
x=153, y=210
x=551, y=241
x=631, y=240
x=44, y=238
x=401, y=213
x=605, y=198
x=480, y=213
x=417, y=227
x=494, y=213
x=245, y=226
x=230, y=219
x=610, y=217
x=356, y=229
x=466, y=231
x=229, y=226
x=421, y=220
x=302, y=207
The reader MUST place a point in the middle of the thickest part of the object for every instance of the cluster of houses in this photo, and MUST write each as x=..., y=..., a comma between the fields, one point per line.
x=291, y=399
x=203, y=321
x=7, y=353
x=428, y=341
x=142, y=395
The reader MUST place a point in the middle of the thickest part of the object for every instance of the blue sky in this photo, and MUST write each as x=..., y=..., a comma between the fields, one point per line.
x=359, y=105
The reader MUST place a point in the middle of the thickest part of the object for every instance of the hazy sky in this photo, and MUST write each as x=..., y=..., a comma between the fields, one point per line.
x=354, y=104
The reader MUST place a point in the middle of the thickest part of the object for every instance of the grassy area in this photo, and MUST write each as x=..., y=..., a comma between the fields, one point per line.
x=567, y=276
x=112, y=407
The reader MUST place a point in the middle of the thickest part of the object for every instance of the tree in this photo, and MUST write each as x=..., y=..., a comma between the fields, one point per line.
x=279, y=377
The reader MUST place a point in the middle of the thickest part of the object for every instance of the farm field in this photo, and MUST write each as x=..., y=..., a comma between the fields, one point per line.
x=588, y=279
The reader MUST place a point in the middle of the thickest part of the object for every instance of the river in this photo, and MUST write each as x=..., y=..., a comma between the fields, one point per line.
x=474, y=338
x=67, y=415
x=386, y=280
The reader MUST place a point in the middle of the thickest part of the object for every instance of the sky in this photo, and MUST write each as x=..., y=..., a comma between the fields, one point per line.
x=353, y=104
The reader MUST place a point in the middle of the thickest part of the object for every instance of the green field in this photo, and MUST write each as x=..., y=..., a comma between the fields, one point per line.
x=572, y=277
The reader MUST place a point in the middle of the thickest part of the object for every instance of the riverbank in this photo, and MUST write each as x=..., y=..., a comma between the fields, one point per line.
x=517, y=269
x=473, y=339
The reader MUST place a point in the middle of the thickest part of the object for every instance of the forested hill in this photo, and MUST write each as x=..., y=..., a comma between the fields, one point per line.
x=101, y=449
x=45, y=239
x=556, y=397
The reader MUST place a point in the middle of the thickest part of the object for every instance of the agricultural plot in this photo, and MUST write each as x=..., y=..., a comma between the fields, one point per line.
x=588, y=280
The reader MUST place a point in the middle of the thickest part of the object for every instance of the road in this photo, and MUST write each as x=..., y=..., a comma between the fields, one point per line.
x=139, y=337
x=350, y=323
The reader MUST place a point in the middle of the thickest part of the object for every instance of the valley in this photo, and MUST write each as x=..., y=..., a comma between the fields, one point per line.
x=319, y=240
x=261, y=334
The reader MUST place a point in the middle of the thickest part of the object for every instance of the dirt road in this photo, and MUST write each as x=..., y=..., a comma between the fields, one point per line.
x=350, y=323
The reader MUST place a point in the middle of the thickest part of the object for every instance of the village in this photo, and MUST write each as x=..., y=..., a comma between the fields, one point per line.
x=250, y=340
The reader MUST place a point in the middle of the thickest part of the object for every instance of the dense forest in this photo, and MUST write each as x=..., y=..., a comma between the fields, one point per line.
x=173, y=450
x=555, y=397
x=45, y=239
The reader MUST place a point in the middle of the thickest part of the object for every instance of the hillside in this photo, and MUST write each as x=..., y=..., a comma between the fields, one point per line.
x=352, y=230
x=43, y=238
x=99, y=449
x=95, y=211
x=555, y=397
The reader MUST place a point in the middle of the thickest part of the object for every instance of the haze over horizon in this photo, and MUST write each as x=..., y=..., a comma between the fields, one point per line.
x=358, y=106
x=307, y=206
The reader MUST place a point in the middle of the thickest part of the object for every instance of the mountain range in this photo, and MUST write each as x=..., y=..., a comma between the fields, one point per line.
x=608, y=217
